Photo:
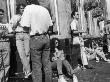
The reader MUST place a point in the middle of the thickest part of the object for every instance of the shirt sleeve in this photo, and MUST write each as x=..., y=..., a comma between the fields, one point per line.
x=73, y=25
x=9, y=28
x=13, y=23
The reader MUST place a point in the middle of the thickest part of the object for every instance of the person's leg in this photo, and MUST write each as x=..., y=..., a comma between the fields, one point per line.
x=68, y=67
x=59, y=66
x=83, y=57
x=36, y=66
x=27, y=51
x=91, y=56
x=21, y=51
x=101, y=54
x=75, y=54
x=46, y=59
x=70, y=70
x=36, y=53
x=60, y=73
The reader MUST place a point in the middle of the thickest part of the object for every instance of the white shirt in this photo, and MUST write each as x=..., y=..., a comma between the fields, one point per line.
x=74, y=25
x=76, y=39
x=13, y=22
x=36, y=17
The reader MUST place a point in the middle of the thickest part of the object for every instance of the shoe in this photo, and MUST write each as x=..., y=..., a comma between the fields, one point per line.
x=62, y=79
x=97, y=59
x=77, y=69
x=75, y=79
x=107, y=60
x=88, y=67
x=27, y=75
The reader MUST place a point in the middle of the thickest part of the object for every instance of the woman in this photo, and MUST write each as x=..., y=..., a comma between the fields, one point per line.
x=58, y=59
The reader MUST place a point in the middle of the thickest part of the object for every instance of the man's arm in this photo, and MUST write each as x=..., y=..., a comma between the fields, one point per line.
x=26, y=29
x=14, y=22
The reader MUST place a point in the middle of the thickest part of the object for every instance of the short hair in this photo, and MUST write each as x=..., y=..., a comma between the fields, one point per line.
x=18, y=8
x=1, y=10
x=72, y=14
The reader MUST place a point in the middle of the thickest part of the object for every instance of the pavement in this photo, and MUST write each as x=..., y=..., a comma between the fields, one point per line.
x=101, y=73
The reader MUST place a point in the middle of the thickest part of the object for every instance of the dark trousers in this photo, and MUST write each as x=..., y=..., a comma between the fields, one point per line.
x=40, y=50
x=75, y=55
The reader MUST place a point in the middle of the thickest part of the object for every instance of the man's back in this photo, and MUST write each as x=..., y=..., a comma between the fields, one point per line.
x=36, y=17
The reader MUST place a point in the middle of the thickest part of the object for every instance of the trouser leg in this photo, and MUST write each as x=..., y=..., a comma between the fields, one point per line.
x=68, y=67
x=40, y=50
x=57, y=64
x=46, y=60
x=27, y=50
x=84, y=57
x=36, y=65
x=21, y=51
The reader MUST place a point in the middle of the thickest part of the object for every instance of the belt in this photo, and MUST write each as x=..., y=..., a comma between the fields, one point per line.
x=21, y=32
x=37, y=34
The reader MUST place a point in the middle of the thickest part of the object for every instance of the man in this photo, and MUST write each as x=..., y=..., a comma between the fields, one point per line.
x=77, y=40
x=22, y=40
x=36, y=20
x=4, y=49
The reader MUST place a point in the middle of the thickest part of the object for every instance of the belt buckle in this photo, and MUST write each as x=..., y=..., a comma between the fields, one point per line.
x=36, y=38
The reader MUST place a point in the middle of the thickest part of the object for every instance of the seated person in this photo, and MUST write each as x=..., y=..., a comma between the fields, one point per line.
x=96, y=51
x=58, y=59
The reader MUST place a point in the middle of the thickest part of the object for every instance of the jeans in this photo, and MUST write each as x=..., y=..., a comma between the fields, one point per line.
x=22, y=43
x=75, y=55
x=59, y=63
x=40, y=51
x=5, y=53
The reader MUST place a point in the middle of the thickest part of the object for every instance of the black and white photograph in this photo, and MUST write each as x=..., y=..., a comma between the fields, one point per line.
x=54, y=41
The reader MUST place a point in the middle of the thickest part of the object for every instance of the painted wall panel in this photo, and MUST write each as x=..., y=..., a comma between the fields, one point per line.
x=3, y=6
